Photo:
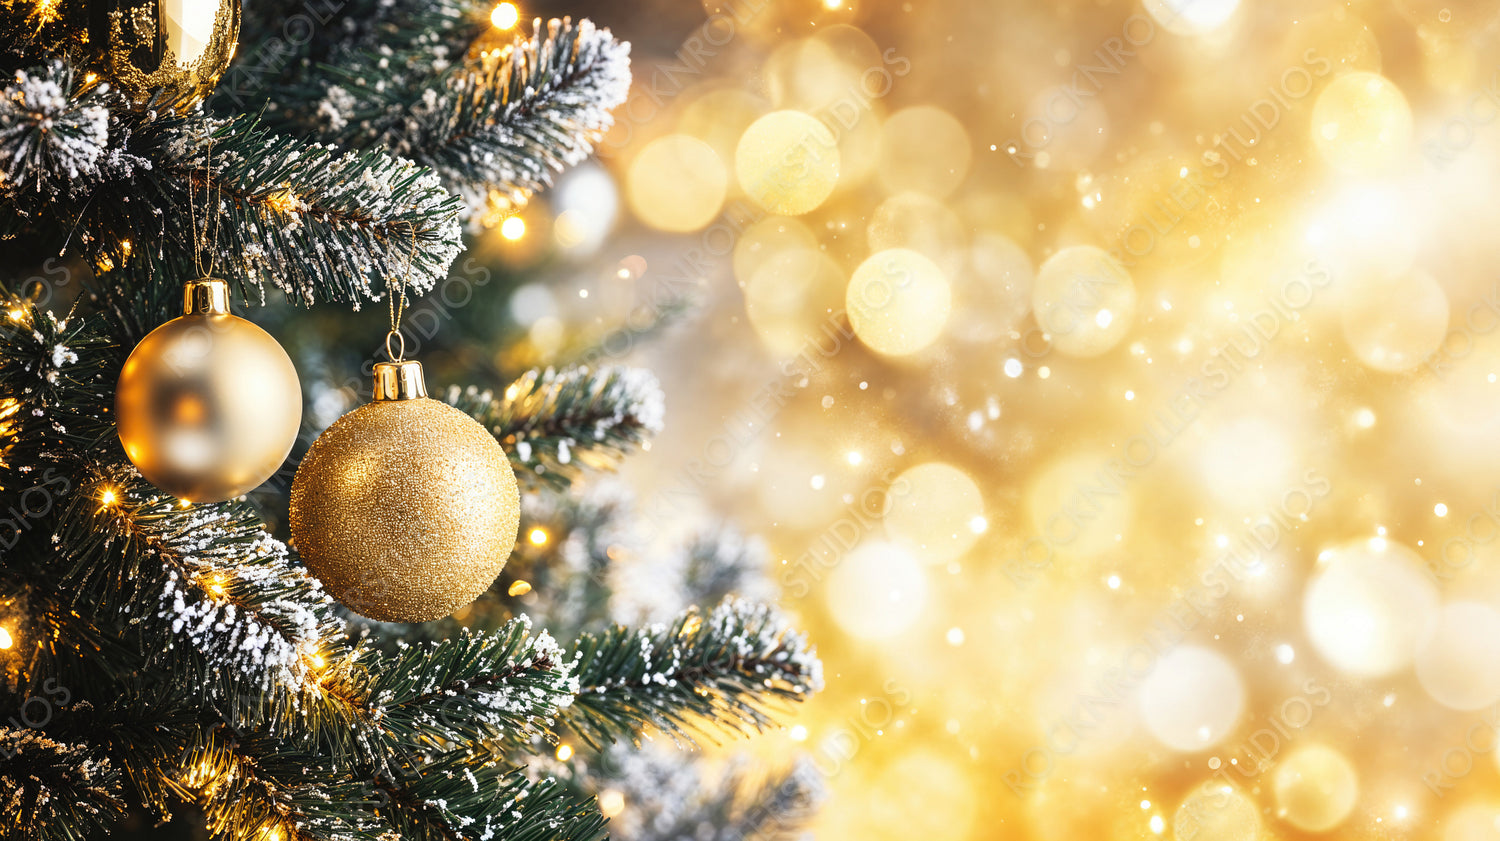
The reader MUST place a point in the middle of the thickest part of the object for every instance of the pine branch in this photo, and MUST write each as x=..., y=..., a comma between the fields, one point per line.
x=503, y=685
x=500, y=126
x=465, y=796
x=316, y=224
x=553, y=424
x=255, y=789
x=49, y=140
x=283, y=78
x=54, y=790
x=724, y=562
x=211, y=597
x=301, y=217
x=743, y=806
x=724, y=670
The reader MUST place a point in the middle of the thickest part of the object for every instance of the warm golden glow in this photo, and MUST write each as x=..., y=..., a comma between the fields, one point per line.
x=564, y=753
x=107, y=497
x=284, y=201
x=519, y=588
x=611, y=802
x=538, y=537
x=505, y=16
x=46, y=11
x=5, y=639
x=513, y=228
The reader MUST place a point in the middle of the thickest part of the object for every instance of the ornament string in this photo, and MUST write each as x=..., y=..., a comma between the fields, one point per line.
x=397, y=303
x=205, y=242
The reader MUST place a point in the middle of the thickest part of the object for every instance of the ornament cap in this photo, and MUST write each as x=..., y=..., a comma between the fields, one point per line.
x=399, y=381
x=206, y=296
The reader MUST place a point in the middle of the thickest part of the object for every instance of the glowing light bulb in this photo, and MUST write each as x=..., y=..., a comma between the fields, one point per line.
x=798, y=734
x=513, y=228
x=505, y=16
x=611, y=803
x=519, y=588
x=5, y=639
x=538, y=537
x=216, y=586
x=564, y=753
x=108, y=497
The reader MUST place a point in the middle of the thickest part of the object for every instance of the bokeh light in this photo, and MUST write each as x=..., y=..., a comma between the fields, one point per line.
x=1084, y=299
x=1316, y=788
x=1361, y=123
x=1367, y=605
x=788, y=162
x=877, y=592
x=936, y=512
x=1192, y=699
x=925, y=150
x=898, y=302
x=677, y=183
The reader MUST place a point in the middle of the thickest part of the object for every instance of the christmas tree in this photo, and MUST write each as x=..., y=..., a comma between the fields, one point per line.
x=170, y=666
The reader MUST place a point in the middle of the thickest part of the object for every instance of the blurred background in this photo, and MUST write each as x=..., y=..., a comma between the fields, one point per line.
x=1113, y=385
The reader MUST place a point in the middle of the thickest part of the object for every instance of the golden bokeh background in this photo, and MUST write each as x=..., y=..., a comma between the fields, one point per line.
x=1114, y=381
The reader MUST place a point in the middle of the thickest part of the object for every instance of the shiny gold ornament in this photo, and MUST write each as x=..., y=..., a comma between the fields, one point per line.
x=208, y=405
x=181, y=47
x=406, y=508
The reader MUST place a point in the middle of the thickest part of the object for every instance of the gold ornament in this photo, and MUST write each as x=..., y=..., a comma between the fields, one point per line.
x=406, y=508
x=181, y=47
x=208, y=405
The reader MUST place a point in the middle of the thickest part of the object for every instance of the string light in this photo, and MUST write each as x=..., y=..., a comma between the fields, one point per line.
x=611, y=802
x=505, y=16
x=284, y=201
x=313, y=655
x=46, y=11
x=538, y=537
x=513, y=228
x=107, y=497
x=5, y=639
x=519, y=588
x=216, y=586
x=564, y=753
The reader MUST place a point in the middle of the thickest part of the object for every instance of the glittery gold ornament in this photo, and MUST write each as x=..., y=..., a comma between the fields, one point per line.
x=208, y=405
x=181, y=47
x=406, y=508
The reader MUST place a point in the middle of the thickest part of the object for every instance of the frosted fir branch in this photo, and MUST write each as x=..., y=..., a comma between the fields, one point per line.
x=251, y=787
x=505, y=685
x=54, y=790
x=723, y=562
x=725, y=670
x=50, y=141
x=496, y=128
x=668, y=799
x=206, y=580
x=470, y=796
x=314, y=222
x=555, y=423
x=311, y=221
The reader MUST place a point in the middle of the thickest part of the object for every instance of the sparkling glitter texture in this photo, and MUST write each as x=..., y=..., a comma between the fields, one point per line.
x=406, y=510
